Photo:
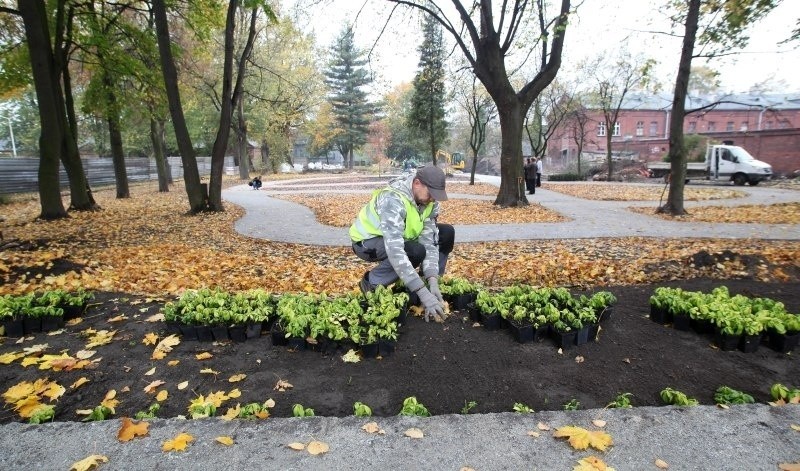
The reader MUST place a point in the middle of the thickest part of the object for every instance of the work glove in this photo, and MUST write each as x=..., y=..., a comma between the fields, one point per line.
x=433, y=308
x=433, y=286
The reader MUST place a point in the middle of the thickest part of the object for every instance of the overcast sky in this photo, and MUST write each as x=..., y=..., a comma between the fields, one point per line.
x=597, y=29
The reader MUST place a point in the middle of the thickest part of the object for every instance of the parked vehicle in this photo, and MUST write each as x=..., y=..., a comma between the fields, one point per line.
x=723, y=162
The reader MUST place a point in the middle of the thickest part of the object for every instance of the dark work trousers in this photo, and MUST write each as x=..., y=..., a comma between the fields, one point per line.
x=531, y=184
x=374, y=250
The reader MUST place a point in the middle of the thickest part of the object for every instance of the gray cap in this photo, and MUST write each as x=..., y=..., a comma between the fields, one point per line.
x=433, y=177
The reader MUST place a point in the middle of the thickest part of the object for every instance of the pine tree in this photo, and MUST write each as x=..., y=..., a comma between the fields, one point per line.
x=427, y=114
x=346, y=77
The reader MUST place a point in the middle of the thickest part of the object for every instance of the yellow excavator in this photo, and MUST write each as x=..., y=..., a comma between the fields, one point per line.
x=454, y=161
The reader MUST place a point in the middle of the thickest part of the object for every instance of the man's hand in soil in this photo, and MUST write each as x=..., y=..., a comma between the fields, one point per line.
x=433, y=286
x=433, y=308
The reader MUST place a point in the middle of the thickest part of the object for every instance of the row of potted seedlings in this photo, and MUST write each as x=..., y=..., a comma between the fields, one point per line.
x=736, y=322
x=41, y=312
x=314, y=321
x=534, y=313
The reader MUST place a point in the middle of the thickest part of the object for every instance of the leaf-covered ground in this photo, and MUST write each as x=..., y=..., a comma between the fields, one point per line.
x=147, y=244
x=779, y=213
x=627, y=192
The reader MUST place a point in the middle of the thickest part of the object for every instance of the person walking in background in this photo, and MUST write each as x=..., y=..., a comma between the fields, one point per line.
x=539, y=171
x=529, y=170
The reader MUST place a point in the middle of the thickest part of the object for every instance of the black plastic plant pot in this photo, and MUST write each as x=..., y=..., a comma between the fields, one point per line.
x=459, y=302
x=660, y=316
x=204, y=333
x=220, y=333
x=749, y=343
x=403, y=317
x=369, y=350
x=541, y=333
x=783, y=343
x=13, y=327
x=566, y=340
x=593, y=330
x=32, y=324
x=474, y=312
x=278, y=335
x=702, y=326
x=173, y=327
x=296, y=343
x=727, y=342
x=582, y=335
x=521, y=332
x=386, y=347
x=72, y=312
x=490, y=321
x=605, y=314
x=253, y=330
x=51, y=323
x=681, y=322
x=238, y=333
x=189, y=332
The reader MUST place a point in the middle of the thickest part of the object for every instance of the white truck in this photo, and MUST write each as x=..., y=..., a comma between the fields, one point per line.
x=723, y=162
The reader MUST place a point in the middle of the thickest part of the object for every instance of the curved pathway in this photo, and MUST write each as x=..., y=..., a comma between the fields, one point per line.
x=278, y=220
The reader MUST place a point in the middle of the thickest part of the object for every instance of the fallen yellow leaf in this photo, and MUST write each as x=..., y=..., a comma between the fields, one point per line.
x=79, y=382
x=661, y=464
x=414, y=432
x=150, y=388
x=592, y=463
x=179, y=443
x=204, y=356
x=162, y=395
x=173, y=362
x=297, y=446
x=150, y=372
x=88, y=463
x=317, y=448
x=542, y=426
x=599, y=423
x=182, y=385
x=225, y=440
x=150, y=339
x=581, y=439
x=236, y=378
x=130, y=429
x=209, y=371
x=372, y=427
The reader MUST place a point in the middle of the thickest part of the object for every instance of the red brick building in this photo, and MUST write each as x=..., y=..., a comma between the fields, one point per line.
x=767, y=125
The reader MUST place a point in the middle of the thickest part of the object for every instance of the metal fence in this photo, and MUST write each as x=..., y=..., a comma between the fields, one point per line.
x=21, y=175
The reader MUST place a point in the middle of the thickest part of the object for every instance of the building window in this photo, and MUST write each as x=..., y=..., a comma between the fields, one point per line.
x=729, y=126
x=653, y=128
x=712, y=126
x=768, y=125
x=617, y=129
x=744, y=126
x=784, y=125
x=640, y=128
x=601, y=129
x=692, y=126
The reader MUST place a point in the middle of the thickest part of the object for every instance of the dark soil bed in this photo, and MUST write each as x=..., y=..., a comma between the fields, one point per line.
x=443, y=365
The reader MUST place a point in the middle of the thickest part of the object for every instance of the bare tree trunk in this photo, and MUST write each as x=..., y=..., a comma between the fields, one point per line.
x=37, y=35
x=512, y=184
x=677, y=153
x=191, y=176
x=156, y=137
x=609, y=156
x=241, y=136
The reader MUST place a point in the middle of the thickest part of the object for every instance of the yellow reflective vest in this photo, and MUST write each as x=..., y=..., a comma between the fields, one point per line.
x=368, y=225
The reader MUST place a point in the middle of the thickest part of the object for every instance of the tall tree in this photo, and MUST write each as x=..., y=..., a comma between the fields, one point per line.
x=427, y=114
x=614, y=81
x=722, y=27
x=346, y=77
x=550, y=109
x=480, y=109
x=396, y=108
x=488, y=41
x=191, y=176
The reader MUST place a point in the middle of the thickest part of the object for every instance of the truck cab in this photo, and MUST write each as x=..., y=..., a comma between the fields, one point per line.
x=735, y=164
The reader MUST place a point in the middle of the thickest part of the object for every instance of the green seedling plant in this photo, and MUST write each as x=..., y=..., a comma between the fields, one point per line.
x=412, y=407
x=572, y=404
x=99, y=413
x=44, y=413
x=255, y=410
x=150, y=413
x=676, y=398
x=779, y=392
x=521, y=408
x=622, y=401
x=299, y=411
x=468, y=406
x=725, y=395
x=361, y=410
